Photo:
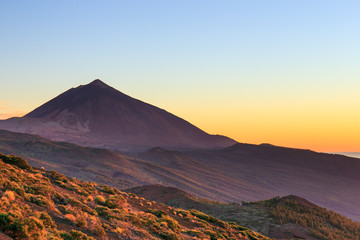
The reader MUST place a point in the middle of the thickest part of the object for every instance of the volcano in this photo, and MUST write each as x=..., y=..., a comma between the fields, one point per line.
x=98, y=115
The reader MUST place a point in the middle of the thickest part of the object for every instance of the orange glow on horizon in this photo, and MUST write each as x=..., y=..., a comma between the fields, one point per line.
x=305, y=125
x=315, y=128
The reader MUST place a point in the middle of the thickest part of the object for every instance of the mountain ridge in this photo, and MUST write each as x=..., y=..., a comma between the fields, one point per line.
x=98, y=115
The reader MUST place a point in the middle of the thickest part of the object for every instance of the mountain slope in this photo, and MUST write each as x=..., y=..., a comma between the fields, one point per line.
x=98, y=115
x=242, y=172
x=289, y=217
x=328, y=180
x=121, y=171
x=38, y=204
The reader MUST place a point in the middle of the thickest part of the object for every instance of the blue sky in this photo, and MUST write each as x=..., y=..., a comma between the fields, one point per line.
x=214, y=63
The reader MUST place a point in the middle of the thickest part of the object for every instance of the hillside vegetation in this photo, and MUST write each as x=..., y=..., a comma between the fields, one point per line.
x=289, y=217
x=39, y=204
x=323, y=224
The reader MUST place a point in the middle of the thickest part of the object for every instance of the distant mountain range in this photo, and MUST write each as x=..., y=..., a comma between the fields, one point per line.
x=98, y=115
x=350, y=154
x=123, y=171
x=329, y=180
x=242, y=172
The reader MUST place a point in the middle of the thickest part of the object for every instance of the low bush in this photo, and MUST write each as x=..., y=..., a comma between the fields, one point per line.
x=108, y=189
x=158, y=213
x=115, y=201
x=16, y=161
x=10, y=195
x=75, y=235
x=100, y=199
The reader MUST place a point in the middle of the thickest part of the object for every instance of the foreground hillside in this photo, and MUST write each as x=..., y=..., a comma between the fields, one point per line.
x=289, y=217
x=39, y=204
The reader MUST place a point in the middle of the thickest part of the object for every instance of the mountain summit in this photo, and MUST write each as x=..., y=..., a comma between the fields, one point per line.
x=101, y=116
x=99, y=83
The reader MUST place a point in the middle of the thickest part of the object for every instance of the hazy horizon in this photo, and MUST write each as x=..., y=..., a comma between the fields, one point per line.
x=350, y=154
x=280, y=72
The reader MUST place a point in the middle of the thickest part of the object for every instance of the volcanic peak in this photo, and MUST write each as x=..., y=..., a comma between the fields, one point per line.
x=99, y=83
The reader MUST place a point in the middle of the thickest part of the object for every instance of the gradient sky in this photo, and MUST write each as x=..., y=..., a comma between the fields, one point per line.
x=282, y=72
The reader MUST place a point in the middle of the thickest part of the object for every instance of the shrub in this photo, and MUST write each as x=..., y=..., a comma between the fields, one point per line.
x=40, y=200
x=4, y=219
x=10, y=195
x=66, y=236
x=47, y=220
x=108, y=189
x=20, y=191
x=207, y=218
x=99, y=231
x=75, y=235
x=196, y=233
x=58, y=176
x=171, y=223
x=39, y=189
x=115, y=201
x=157, y=212
x=22, y=228
x=99, y=199
x=70, y=217
x=81, y=221
x=169, y=236
x=119, y=230
x=16, y=161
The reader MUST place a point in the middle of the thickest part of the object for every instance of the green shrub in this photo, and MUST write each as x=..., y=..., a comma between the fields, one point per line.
x=75, y=235
x=4, y=219
x=196, y=233
x=170, y=236
x=115, y=201
x=108, y=189
x=103, y=211
x=157, y=212
x=21, y=228
x=99, y=199
x=16, y=161
x=40, y=200
x=171, y=223
x=47, y=220
x=58, y=176
x=99, y=231
x=66, y=236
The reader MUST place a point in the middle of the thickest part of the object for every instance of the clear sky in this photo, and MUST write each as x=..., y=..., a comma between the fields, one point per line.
x=282, y=72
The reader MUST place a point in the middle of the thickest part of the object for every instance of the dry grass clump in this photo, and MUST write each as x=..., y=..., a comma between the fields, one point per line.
x=10, y=195
x=100, y=199
x=70, y=217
